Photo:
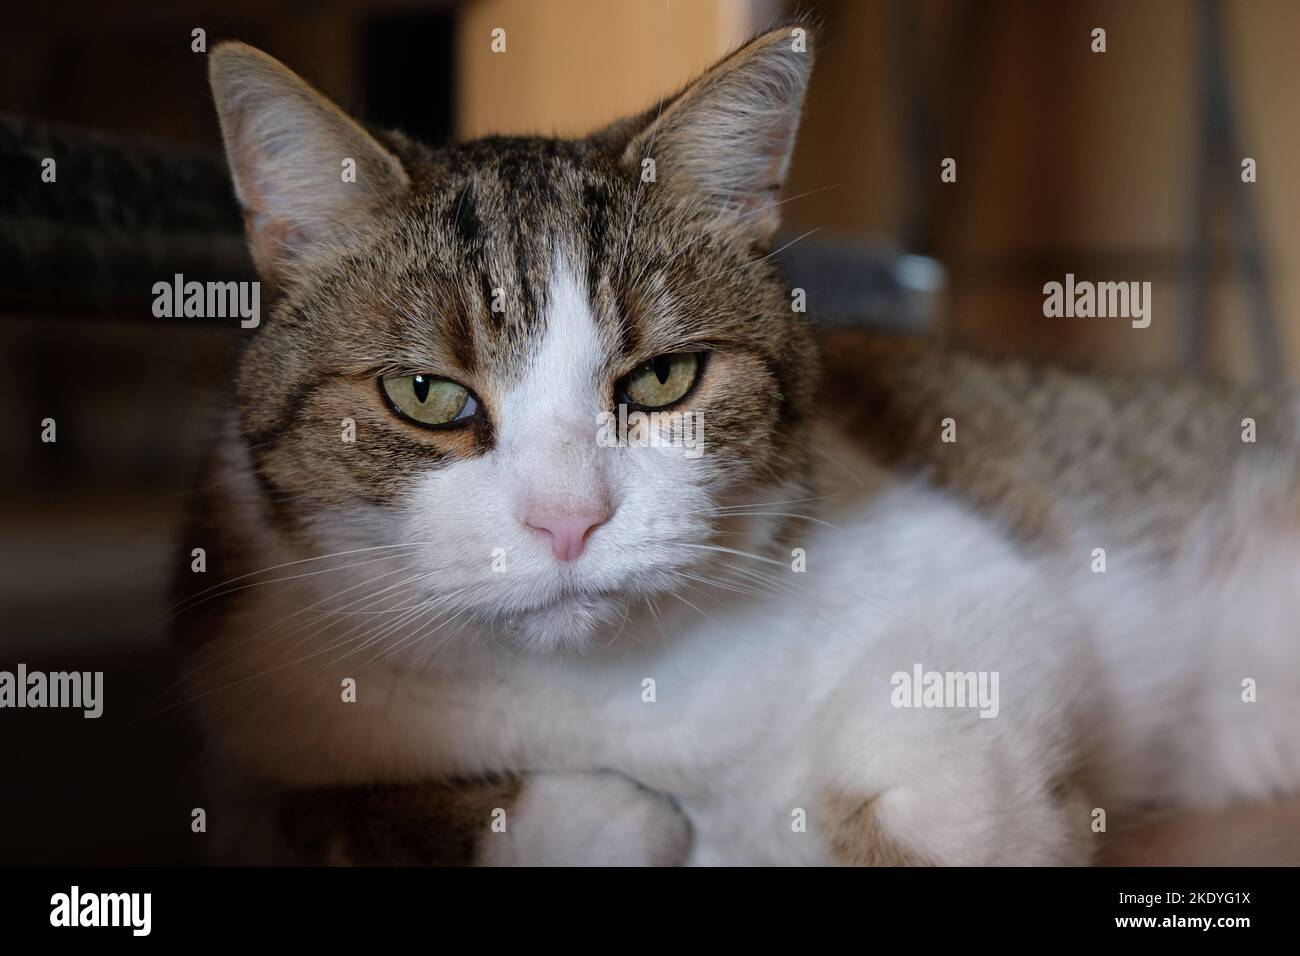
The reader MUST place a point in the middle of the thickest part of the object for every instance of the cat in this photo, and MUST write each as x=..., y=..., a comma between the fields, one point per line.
x=452, y=625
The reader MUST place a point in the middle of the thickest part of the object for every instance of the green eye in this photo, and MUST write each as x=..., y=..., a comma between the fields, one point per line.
x=429, y=400
x=661, y=381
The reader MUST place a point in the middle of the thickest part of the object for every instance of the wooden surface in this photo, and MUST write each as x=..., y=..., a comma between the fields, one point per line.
x=1253, y=834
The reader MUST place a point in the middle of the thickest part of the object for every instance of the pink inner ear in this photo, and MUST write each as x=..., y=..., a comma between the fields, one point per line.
x=268, y=239
x=777, y=147
x=285, y=142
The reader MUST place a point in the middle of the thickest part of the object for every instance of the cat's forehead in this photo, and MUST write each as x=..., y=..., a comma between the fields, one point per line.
x=496, y=227
x=509, y=204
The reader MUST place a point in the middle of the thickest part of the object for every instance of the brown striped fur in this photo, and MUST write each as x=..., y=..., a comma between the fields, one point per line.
x=423, y=824
x=1047, y=450
x=856, y=836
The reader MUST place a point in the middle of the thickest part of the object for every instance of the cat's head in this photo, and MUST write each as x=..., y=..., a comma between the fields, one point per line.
x=454, y=331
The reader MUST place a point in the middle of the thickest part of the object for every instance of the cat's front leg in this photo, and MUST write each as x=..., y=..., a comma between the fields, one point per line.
x=906, y=779
x=544, y=819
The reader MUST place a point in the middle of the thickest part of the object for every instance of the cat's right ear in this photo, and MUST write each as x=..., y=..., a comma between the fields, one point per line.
x=306, y=174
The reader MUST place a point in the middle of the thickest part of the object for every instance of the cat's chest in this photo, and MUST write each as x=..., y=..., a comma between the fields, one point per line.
x=717, y=686
x=689, y=698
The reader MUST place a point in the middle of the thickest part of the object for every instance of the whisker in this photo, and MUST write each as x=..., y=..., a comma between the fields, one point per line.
x=722, y=550
x=286, y=564
x=749, y=264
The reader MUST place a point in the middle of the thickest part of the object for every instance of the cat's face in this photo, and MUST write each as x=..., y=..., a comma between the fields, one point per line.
x=459, y=336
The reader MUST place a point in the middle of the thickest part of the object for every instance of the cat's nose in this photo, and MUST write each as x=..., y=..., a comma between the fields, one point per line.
x=568, y=533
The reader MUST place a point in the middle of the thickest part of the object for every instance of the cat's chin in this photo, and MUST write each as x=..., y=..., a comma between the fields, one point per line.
x=570, y=622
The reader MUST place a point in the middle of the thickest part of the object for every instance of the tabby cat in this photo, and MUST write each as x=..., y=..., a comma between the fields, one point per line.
x=460, y=618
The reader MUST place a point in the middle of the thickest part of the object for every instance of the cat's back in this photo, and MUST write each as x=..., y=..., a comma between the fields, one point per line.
x=1046, y=450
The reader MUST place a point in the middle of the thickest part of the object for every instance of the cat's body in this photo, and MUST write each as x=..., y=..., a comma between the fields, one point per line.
x=770, y=697
x=635, y=654
x=773, y=697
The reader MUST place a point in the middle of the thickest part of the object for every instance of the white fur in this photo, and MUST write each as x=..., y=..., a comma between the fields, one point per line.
x=1121, y=686
x=586, y=819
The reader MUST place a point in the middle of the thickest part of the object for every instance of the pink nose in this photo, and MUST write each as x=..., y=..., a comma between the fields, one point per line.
x=568, y=533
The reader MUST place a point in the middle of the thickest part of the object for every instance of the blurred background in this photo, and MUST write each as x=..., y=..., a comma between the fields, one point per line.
x=1117, y=166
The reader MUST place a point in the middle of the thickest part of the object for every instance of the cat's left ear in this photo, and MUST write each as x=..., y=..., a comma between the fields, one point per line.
x=306, y=173
x=723, y=144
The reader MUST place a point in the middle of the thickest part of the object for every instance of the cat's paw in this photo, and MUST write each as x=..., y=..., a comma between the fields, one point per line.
x=924, y=826
x=589, y=819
